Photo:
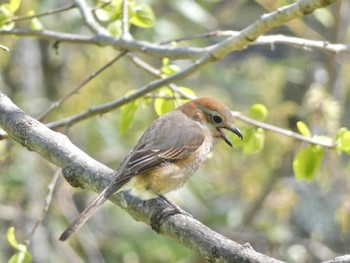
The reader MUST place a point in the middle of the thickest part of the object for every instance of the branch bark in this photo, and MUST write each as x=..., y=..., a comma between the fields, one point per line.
x=82, y=171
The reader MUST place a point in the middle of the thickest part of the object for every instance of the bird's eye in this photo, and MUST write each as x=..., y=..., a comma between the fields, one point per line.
x=216, y=119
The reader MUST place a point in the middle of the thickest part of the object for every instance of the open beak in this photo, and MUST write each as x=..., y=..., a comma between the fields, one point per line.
x=232, y=129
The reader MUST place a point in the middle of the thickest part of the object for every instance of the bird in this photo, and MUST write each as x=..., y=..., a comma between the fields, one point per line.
x=167, y=154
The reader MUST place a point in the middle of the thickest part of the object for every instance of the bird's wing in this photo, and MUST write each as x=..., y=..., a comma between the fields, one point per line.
x=164, y=142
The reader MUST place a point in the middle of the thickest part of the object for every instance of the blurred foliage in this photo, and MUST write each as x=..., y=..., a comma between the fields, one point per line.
x=249, y=194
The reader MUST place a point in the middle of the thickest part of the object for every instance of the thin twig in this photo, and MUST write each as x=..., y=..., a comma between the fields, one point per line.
x=98, y=110
x=102, y=5
x=131, y=45
x=155, y=72
x=47, y=203
x=89, y=19
x=47, y=13
x=82, y=84
x=4, y=48
x=125, y=20
x=289, y=133
x=270, y=40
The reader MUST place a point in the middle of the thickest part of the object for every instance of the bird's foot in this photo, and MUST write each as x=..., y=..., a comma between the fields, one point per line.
x=157, y=218
x=178, y=209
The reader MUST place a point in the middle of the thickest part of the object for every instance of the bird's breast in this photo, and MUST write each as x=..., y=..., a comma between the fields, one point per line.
x=172, y=175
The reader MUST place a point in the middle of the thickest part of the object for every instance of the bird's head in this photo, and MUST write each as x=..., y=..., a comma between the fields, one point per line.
x=213, y=114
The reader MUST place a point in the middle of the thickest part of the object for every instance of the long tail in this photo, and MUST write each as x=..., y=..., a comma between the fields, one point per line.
x=90, y=210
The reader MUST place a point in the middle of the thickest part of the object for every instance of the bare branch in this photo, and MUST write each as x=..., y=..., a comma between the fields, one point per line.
x=272, y=40
x=81, y=170
x=232, y=43
x=289, y=133
x=265, y=23
x=82, y=84
x=125, y=20
x=89, y=19
x=93, y=111
x=4, y=48
x=131, y=45
x=47, y=203
x=47, y=13
x=340, y=259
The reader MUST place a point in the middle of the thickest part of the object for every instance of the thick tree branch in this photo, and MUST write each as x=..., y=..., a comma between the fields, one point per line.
x=267, y=22
x=235, y=41
x=83, y=171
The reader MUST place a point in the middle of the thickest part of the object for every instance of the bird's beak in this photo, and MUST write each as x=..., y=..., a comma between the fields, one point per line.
x=232, y=129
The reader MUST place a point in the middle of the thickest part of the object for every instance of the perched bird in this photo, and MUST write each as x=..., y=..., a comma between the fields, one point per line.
x=167, y=154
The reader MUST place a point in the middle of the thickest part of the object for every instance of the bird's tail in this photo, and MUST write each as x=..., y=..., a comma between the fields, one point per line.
x=90, y=210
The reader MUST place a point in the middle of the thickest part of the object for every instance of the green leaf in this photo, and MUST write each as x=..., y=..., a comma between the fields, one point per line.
x=111, y=12
x=340, y=133
x=324, y=16
x=127, y=114
x=307, y=162
x=169, y=69
x=5, y=14
x=186, y=91
x=105, y=14
x=343, y=142
x=23, y=255
x=115, y=28
x=143, y=16
x=303, y=129
x=14, y=259
x=11, y=237
x=14, y=5
x=323, y=139
x=254, y=141
x=165, y=61
x=36, y=24
x=162, y=106
x=258, y=112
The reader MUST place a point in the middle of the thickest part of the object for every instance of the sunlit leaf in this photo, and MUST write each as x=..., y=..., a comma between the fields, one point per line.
x=110, y=12
x=127, y=114
x=303, y=129
x=11, y=237
x=169, y=69
x=115, y=28
x=186, y=91
x=14, y=5
x=254, y=141
x=324, y=16
x=5, y=14
x=105, y=14
x=323, y=139
x=143, y=16
x=36, y=24
x=340, y=132
x=165, y=61
x=163, y=106
x=307, y=162
x=258, y=112
x=14, y=259
x=343, y=142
